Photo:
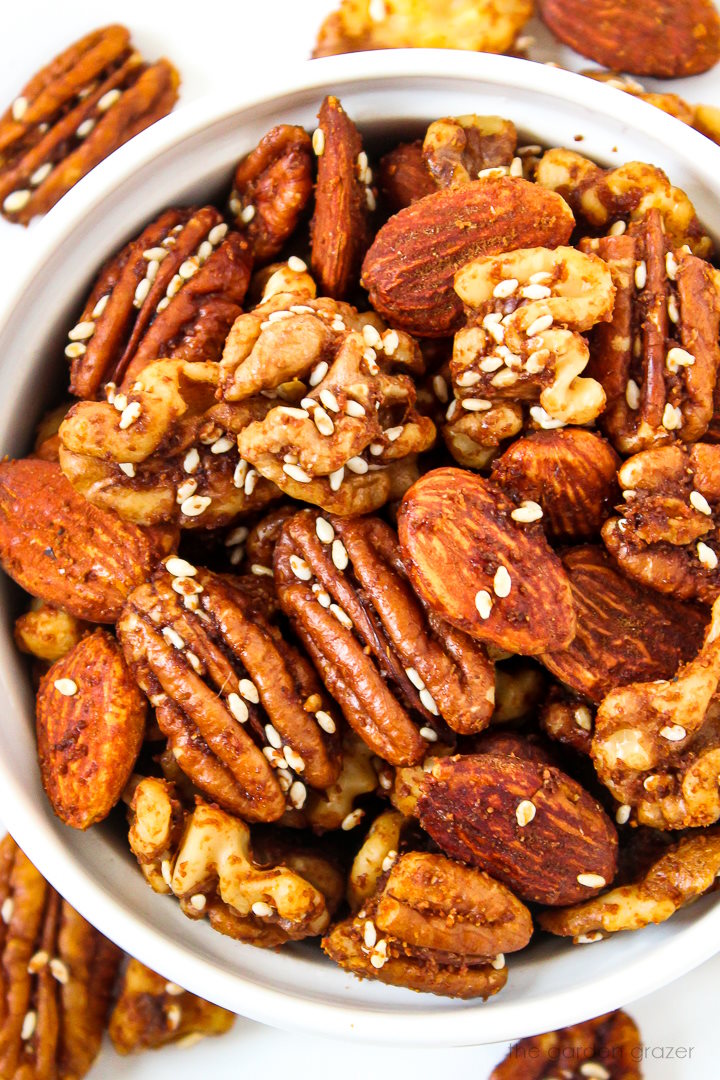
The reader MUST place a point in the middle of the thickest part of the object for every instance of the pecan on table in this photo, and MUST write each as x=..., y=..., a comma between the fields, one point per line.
x=605, y=197
x=522, y=343
x=172, y=292
x=271, y=188
x=657, y=359
x=209, y=865
x=165, y=451
x=57, y=977
x=433, y=925
x=151, y=1012
x=656, y=745
x=682, y=874
x=608, y=1047
x=243, y=712
x=624, y=633
x=398, y=672
x=85, y=103
x=667, y=537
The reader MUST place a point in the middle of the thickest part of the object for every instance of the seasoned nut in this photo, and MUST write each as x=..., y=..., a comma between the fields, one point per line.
x=151, y=1012
x=434, y=925
x=566, y=479
x=343, y=199
x=48, y=631
x=396, y=671
x=625, y=633
x=658, y=358
x=166, y=451
x=63, y=550
x=271, y=188
x=458, y=149
x=335, y=806
x=568, y=719
x=483, y=217
x=58, y=976
x=89, y=100
x=213, y=872
x=90, y=722
x=377, y=855
x=669, y=103
x=474, y=438
x=358, y=25
x=475, y=565
x=656, y=745
x=592, y=1049
x=519, y=688
x=603, y=197
x=350, y=446
x=253, y=548
x=521, y=341
x=667, y=537
x=404, y=177
x=474, y=808
x=157, y=821
x=678, y=877
x=172, y=292
x=632, y=37
x=238, y=705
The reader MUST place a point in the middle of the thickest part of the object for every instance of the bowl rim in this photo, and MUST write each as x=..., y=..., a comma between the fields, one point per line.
x=421, y=1026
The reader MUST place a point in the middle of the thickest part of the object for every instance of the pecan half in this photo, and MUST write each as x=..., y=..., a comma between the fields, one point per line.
x=173, y=292
x=243, y=712
x=344, y=197
x=525, y=309
x=271, y=188
x=90, y=722
x=89, y=100
x=568, y=477
x=609, y=1046
x=484, y=26
x=434, y=925
x=656, y=745
x=167, y=450
x=396, y=671
x=57, y=977
x=658, y=358
x=667, y=537
x=48, y=631
x=151, y=1012
x=528, y=824
x=211, y=869
x=483, y=217
x=458, y=149
x=624, y=633
x=476, y=561
x=604, y=197
x=63, y=550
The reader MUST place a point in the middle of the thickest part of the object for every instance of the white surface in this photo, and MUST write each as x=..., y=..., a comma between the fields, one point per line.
x=230, y=47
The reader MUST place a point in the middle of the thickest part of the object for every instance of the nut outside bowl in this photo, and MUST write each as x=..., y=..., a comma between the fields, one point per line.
x=183, y=158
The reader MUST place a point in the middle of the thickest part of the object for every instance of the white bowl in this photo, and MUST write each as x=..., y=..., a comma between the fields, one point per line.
x=187, y=157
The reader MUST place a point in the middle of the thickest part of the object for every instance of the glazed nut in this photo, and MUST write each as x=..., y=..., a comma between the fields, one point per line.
x=457, y=150
x=422, y=929
x=47, y=631
x=376, y=857
x=403, y=175
x=611, y=1039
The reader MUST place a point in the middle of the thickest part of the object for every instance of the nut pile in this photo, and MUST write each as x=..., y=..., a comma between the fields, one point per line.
x=375, y=566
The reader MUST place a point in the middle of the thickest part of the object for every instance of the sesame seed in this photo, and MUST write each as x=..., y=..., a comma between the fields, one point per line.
x=323, y=598
x=59, y=971
x=261, y=571
x=19, y=108
x=127, y=467
x=336, y=478
x=505, y=288
x=502, y=582
x=370, y=356
x=172, y=637
x=194, y=662
x=543, y=322
x=587, y=939
x=357, y=465
x=239, y=476
x=390, y=342
x=75, y=350
x=525, y=812
x=107, y=100
x=476, y=404
x=377, y=10
x=415, y=678
x=440, y=388
x=38, y=961
x=707, y=556
x=273, y=736
x=594, y=1071
x=16, y=201
x=672, y=309
x=527, y=512
x=700, y=503
x=483, y=603
x=238, y=536
x=497, y=170
x=217, y=233
x=370, y=199
x=186, y=489
x=622, y=814
x=369, y=934
x=318, y=141
x=198, y=901
x=293, y=759
x=378, y=957
x=641, y=275
x=100, y=306
x=393, y=433
x=163, y=304
x=166, y=871
x=318, y=373
x=329, y=400
x=300, y=568
x=298, y=794
x=297, y=265
x=342, y=616
x=428, y=733
x=498, y=962
x=222, y=445
x=130, y=414
x=428, y=701
x=28, y=1025
x=671, y=266
x=173, y=989
x=323, y=421
x=175, y=285
x=536, y=292
x=371, y=337
x=389, y=860
x=353, y=818
x=180, y=568
x=325, y=721
x=41, y=174
x=173, y=1016
x=677, y=357
x=297, y=474
x=6, y=911
x=324, y=530
x=339, y=555
x=516, y=167
x=195, y=505
x=591, y=881
x=251, y=480
x=673, y=732
x=66, y=687
x=583, y=717
x=632, y=394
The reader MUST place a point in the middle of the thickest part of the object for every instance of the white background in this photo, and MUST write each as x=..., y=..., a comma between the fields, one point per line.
x=217, y=44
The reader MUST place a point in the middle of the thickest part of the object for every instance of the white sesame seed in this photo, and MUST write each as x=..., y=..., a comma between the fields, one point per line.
x=389, y=860
x=107, y=100
x=194, y=661
x=699, y=502
x=583, y=717
x=525, y=812
x=490, y=364
x=75, y=350
x=297, y=474
x=632, y=394
x=536, y=292
x=641, y=275
x=204, y=251
x=591, y=881
x=188, y=269
x=172, y=637
x=237, y=536
x=415, y=678
x=338, y=325
x=176, y=283
x=59, y=971
x=516, y=167
x=677, y=357
x=428, y=701
x=261, y=571
x=180, y=568
x=100, y=306
x=342, y=616
x=673, y=732
x=505, y=288
x=198, y=901
x=19, y=108
x=369, y=934
x=293, y=759
x=127, y=467
x=440, y=388
x=476, y=404
x=502, y=582
x=163, y=304
x=427, y=733
x=594, y=1071
x=173, y=990
x=622, y=814
x=16, y=201
x=318, y=141
x=707, y=556
x=672, y=309
x=298, y=794
x=186, y=489
x=6, y=911
x=297, y=265
x=324, y=530
x=390, y=342
x=671, y=266
x=300, y=568
x=370, y=199
x=272, y=735
x=369, y=356
x=195, y=505
x=353, y=818
x=483, y=603
x=371, y=337
x=217, y=233
x=357, y=465
x=166, y=871
x=323, y=598
x=617, y=228
x=28, y=1025
x=543, y=322
x=393, y=433
x=329, y=400
x=66, y=687
x=249, y=691
x=336, y=478
x=41, y=174
x=325, y=721
x=378, y=957
x=222, y=445
x=323, y=421
x=318, y=373
x=130, y=414
x=37, y=961
x=339, y=555
x=354, y=408
x=527, y=512
x=587, y=939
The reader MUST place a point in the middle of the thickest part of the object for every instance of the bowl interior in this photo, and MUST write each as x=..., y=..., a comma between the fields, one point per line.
x=189, y=158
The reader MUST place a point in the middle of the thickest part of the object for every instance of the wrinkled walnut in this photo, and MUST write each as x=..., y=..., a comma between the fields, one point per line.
x=458, y=149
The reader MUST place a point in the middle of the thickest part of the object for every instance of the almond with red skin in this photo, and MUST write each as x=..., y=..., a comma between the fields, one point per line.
x=404, y=175
x=473, y=806
x=667, y=39
x=410, y=267
x=90, y=718
x=487, y=573
x=60, y=548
